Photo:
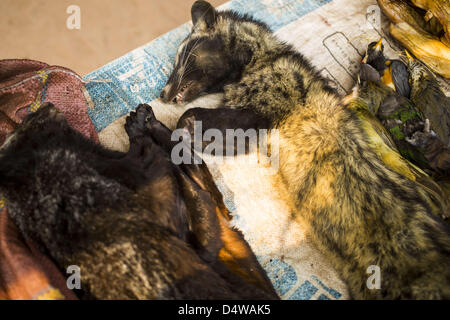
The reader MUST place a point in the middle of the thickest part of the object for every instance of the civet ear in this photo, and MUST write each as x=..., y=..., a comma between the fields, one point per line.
x=203, y=14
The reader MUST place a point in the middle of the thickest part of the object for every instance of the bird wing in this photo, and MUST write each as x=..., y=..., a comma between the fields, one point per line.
x=383, y=145
x=369, y=73
x=400, y=77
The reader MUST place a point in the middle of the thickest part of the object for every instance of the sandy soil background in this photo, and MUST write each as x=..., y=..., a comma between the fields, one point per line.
x=36, y=29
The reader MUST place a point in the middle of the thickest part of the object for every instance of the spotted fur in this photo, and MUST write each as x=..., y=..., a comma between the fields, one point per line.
x=359, y=212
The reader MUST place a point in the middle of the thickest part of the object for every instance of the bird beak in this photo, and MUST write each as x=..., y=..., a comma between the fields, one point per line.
x=364, y=60
x=410, y=58
x=378, y=45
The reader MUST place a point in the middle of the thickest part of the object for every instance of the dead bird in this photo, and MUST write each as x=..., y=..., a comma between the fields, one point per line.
x=437, y=154
x=390, y=120
x=137, y=226
x=396, y=113
x=429, y=98
x=393, y=73
x=359, y=211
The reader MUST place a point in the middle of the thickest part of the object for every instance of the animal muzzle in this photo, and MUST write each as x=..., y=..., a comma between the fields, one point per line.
x=174, y=94
x=167, y=94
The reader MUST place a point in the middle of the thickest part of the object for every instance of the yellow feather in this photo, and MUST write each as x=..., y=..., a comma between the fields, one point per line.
x=382, y=143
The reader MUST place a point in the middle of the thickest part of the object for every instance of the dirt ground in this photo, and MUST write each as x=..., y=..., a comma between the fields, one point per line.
x=37, y=29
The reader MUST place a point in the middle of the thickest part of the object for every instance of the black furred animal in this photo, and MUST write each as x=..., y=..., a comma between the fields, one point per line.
x=138, y=226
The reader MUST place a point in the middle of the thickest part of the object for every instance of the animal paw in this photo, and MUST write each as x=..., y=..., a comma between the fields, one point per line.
x=187, y=122
x=136, y=122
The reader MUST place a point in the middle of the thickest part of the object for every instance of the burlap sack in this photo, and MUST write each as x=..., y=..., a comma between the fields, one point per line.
x=25, y=85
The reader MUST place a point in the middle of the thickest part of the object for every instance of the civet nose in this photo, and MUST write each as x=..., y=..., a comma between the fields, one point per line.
x=164, y=95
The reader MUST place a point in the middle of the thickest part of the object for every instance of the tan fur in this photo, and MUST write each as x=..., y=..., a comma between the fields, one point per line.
x=347, y=196
x=358, y=211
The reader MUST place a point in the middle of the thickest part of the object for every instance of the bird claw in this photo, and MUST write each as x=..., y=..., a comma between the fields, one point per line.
x=421, y=139
x=427, y=127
